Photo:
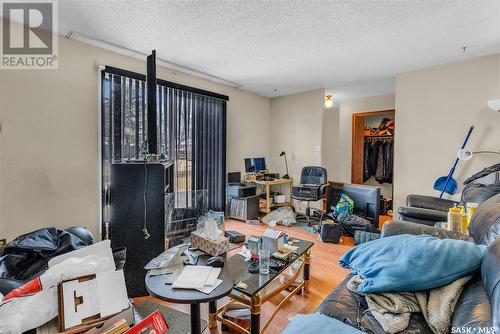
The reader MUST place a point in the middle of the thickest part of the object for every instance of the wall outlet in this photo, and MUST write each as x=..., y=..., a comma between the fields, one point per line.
x=317, y=148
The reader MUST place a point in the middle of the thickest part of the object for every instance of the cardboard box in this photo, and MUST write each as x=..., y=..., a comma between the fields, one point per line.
x=273, y=240
x=85, y=299
x=209, y=246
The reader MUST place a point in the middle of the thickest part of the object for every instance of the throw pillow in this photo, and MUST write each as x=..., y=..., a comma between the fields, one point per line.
x=411, y=262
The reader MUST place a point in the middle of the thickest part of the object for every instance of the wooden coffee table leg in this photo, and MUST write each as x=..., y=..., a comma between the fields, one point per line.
x=255, y=314
x=195, y=319
x=212, y=314
x=307, y=268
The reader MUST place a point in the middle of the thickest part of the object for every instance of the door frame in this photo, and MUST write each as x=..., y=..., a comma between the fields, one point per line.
x=357, y=156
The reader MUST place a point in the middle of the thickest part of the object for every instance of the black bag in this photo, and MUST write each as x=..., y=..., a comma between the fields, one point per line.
x=235, y=237
x=351, y=223
x=330, y=232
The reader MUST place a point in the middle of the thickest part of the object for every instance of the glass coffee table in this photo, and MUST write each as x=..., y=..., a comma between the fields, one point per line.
x=252, y=296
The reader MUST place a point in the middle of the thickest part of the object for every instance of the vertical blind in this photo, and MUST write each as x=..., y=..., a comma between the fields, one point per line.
x=191, y=130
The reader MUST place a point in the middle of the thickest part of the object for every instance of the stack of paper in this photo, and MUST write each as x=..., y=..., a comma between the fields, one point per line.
x=202, y=278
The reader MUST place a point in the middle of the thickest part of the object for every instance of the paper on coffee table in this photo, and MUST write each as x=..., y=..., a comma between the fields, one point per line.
x=208, y=289
x=192, y=277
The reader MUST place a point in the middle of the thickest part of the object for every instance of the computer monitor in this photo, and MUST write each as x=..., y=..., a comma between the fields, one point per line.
x=253, y=165
x=234, y=178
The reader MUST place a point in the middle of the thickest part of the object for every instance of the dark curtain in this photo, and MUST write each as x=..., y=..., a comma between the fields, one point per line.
x=209, y=122
x=195, y=128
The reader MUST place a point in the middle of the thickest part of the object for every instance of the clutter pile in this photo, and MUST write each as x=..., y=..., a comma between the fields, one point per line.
x=80, y=291
x=342, y=221
x=281, y=216
x=386, y=128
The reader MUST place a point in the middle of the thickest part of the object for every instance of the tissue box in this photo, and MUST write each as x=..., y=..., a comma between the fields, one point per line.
x=209, y=246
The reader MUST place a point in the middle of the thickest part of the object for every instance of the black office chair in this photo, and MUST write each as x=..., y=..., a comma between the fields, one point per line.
x=313, y=186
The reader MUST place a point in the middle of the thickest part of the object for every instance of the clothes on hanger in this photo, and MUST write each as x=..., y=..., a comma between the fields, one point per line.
x=374, y=157
x=388, y=158
x=367, y=166
x=378, y=159
x=380, y=171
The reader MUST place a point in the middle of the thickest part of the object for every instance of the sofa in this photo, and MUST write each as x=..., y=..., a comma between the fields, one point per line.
x=479, y=304
x=429, y=210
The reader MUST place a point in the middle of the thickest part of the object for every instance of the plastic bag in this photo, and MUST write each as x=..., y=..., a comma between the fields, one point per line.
x=283, y=216
x=345, y=205
x=24, y=313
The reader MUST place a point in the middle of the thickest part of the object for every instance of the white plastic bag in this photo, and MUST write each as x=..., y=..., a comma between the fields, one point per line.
x=20, y=314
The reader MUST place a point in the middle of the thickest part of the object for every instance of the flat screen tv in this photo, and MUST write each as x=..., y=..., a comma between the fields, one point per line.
x=253, y=165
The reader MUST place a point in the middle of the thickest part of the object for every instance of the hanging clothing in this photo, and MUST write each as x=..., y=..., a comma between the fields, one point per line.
x=374, y=157
x=367, y=167
x=388, y=154
x=378, y=160
x=380, y=171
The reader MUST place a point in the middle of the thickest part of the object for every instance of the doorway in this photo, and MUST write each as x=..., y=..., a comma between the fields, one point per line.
x=372, y=153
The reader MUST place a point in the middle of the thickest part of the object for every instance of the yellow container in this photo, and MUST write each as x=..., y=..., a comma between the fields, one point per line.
x=455, y=219
x=471, y=209
x=464, y=226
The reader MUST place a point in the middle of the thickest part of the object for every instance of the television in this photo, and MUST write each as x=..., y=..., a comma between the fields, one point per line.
x=253, y=165
x=366, y=199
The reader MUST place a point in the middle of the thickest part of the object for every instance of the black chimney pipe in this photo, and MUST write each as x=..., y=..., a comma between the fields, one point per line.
x=151, y=87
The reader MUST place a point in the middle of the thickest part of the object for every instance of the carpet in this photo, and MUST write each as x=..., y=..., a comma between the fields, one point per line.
x=178, y=322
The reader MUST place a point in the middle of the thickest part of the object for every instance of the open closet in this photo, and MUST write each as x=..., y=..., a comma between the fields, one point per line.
x=373, y=153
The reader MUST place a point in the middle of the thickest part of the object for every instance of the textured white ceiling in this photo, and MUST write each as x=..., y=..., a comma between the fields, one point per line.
x=280, y=47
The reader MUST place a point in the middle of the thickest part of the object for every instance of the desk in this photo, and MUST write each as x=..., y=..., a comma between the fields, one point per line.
x=267, y=188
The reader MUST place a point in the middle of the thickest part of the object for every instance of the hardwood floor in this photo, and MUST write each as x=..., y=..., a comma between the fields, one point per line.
x=326, y=274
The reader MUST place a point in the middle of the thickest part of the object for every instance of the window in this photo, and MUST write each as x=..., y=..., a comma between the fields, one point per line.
x=191, y=130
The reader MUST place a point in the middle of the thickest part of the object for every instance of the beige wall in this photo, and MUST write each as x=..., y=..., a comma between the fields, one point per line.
x=296, y=128
x=330, y=141
x=347, y=108
x=434, y=109
x=1, y=154
x=49, y=150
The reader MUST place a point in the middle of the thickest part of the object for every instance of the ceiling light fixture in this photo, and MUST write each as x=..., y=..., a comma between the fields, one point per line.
x=494, y=104
x=329, y=101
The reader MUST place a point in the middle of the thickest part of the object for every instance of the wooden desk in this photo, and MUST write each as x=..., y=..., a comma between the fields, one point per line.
x=267, y=188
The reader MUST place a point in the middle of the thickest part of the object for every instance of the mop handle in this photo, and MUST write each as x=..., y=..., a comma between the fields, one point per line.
x=452, y=170
x=467, y=137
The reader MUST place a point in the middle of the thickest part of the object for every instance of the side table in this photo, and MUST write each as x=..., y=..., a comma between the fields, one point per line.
x=157, y=288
